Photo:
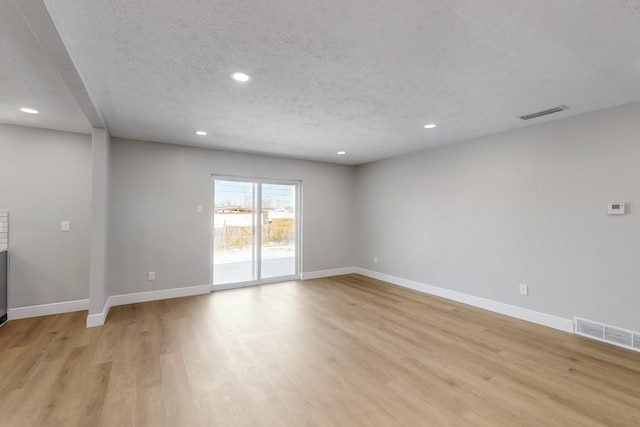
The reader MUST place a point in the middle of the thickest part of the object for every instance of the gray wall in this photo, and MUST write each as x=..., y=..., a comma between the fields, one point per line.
x=527, y=206
x=100, y=165
x=45, y=178
x=479, y=217
x=154, y=225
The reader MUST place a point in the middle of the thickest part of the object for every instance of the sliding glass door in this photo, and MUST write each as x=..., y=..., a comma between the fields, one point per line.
x=255, y=231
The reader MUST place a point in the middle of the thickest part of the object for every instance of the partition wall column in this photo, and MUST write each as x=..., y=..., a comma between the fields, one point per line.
x=98, y=292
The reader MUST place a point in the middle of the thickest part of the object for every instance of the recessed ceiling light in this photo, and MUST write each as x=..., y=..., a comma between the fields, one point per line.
x=429, y=126
x=240, y=77
x=201, y=133
x=29, y=110
x=340, y=153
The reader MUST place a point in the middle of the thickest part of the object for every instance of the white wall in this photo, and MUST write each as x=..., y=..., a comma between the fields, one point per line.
x=155, y=189
x=45, y=177
x=527, y=206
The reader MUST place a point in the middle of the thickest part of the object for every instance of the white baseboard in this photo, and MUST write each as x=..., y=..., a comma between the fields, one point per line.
x=562, y=324
x=116, y=300
x=98, y=319
x=47, y=309
x=327, y=273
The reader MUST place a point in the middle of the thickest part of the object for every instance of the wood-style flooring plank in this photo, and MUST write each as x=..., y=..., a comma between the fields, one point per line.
x=341, y=351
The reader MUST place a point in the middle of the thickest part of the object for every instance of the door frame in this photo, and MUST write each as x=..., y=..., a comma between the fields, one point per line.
x=257, y=234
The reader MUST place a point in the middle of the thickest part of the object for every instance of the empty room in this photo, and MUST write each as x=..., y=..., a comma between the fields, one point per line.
x=325, y=213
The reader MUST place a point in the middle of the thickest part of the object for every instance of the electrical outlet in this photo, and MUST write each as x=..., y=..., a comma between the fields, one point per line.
x=375, y=259
x=199, y=209
x=152, y=275
x=524, y=289
x=65, y=225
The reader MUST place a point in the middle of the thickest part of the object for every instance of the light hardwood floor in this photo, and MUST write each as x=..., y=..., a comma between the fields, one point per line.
x=343, y=351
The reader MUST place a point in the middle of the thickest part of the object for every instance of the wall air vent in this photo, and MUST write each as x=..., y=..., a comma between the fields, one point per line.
x=544, y=113
x=589, y=329
x=609, y=334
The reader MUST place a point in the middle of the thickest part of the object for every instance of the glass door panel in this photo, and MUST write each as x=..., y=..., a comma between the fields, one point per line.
x=278, y=249
x=234, y=225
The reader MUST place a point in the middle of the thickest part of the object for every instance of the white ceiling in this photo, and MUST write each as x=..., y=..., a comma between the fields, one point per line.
x=29, y=79
x=362, y=76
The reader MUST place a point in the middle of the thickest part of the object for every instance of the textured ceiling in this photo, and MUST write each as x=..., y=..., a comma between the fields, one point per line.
x=362, y=76
x=29, y=79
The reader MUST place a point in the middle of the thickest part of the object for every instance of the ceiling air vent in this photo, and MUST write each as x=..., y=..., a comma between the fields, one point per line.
x=545, y=112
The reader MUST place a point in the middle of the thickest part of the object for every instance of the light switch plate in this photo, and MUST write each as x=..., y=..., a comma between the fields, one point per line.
x=199, y=209
x=65, y=226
